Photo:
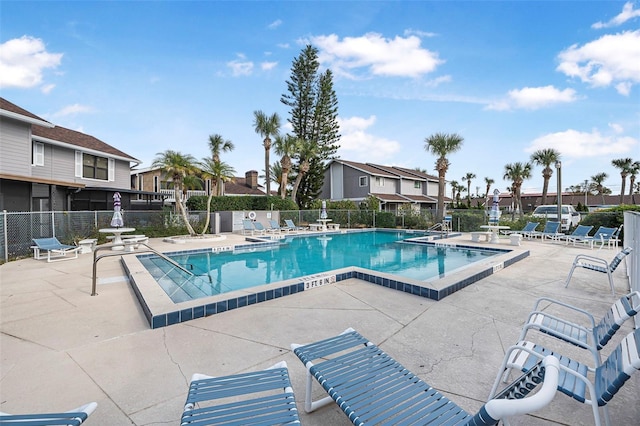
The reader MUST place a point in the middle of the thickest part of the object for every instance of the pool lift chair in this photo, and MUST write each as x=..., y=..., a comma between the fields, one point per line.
x=597, y=264
x=586, y=334
x=370, y=387
x=595, y=387
x=256, y=398
x=73, y=417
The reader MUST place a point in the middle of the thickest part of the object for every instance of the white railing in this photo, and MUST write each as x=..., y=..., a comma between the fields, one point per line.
x=632, y=239
x=170, y=193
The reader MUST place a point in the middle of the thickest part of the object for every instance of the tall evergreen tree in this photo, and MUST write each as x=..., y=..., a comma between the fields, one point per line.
x=313, y=117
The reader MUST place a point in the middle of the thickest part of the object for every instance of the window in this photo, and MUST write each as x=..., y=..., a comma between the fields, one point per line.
x=417, y=185
x=363, y=180
x=37, y=156
x=90, y=166
x=380, y=181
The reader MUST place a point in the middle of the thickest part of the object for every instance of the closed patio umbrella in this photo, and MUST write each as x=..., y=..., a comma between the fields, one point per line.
x=116, y=220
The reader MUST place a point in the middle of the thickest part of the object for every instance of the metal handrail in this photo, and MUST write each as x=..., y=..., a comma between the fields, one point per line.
x=96, y=258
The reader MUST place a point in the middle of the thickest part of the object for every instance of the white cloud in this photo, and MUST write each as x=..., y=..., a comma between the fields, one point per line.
x=576, y=144
x=266, y=66
x=616, y=128
x=73, y=110
x=397, y=57
x=359, y=145
x=240, y=66
x=611, y=59
x=627, y=13
x=533, y=98
x=275, y=24
x=419, y=33
x=23, y=60
x=438, y=81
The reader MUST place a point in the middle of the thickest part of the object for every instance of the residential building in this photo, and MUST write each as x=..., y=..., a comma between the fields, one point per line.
x=154, y=180
x=393, y=186
x=45, y=167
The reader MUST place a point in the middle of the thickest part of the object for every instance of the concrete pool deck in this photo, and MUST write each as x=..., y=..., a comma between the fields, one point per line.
x=60, y=347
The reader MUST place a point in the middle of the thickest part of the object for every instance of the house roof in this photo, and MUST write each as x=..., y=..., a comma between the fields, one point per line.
x=421, y=199
x=367, y=168
x=238, y=186
x=417, y=173
x=82, y=140
x=8, y=109
x=391, y=198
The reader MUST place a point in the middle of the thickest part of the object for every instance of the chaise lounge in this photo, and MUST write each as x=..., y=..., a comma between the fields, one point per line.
x=73, y=417
x=53, y=250
x=370, y=387
x=597, y=264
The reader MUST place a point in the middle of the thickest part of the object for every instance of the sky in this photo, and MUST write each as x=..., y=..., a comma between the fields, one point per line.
x=510, y=77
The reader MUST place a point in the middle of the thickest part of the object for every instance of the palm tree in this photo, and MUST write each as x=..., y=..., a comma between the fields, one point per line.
x=454, y=188
x=178, y=166
x=468, y=178
x=489, y=182
x=545, y=157
x=624, y=164
x=442, y=144
x=266, y=126
x=633, y=171
x=517, y=173
x=216, y=171
x=598, y=184
x=217, y=145
x=286, y=147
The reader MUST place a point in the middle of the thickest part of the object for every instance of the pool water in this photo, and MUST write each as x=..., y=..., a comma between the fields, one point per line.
x=300, y=256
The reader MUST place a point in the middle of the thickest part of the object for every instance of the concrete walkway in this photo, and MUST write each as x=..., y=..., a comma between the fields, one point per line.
x=60, y=347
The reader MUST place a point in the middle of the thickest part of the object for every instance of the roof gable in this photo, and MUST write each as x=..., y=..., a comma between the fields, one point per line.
x=17, y=112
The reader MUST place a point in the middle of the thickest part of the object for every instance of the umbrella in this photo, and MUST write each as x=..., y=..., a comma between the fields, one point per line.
x=116, y=220
x=323, y=213
x=495, y=207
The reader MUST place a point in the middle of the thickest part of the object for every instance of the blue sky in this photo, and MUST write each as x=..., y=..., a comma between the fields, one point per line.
x=509, y=76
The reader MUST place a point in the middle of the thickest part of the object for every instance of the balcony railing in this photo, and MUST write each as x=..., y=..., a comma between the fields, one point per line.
x=171, y=194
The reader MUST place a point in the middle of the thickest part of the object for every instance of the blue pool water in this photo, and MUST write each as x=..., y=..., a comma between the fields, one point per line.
x=294, y=257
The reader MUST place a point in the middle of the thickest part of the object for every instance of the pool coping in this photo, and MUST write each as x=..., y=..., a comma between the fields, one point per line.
x=161, y=311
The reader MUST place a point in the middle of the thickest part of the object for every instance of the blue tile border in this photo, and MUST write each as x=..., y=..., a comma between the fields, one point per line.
x=212, y=308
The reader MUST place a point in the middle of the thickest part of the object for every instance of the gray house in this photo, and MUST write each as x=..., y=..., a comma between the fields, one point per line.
x=45, y=167
x=392, y=186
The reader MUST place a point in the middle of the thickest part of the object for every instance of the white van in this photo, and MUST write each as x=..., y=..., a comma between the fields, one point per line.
x=570, y=217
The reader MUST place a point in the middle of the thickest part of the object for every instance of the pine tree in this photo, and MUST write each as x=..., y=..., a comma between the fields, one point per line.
x=313, y=117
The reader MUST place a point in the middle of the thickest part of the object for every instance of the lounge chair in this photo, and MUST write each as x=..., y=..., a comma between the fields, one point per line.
x=274, y=226
x=579, y=234
x=250, y=227
x=526, y=232
x=293, y=226
x=603, y=236
x=615, y=238
x=588, y=334
x=595, y=387
x=599, y=265
x=73, y=417
x=54, y=250
x=262, y=397
x=370, y=387
x=259, y=227
x=551, y=231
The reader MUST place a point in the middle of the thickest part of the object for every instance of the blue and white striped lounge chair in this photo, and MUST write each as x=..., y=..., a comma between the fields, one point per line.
x=257, y=398
x=603, y=235
x=526, y=232
x=53, y=250
x=250, y=227
x=72, y=418
x=274, y=226
x=588, y=334
x=597, y=264
x=370, y=387
x=293, y=226
x=595, y=387
x=579, y=234
x=551, y=231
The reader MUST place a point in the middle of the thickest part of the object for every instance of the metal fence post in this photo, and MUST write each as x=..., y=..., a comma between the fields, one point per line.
x=5, y=234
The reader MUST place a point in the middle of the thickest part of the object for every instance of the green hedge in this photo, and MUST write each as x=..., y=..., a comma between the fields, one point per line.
x=225, y=203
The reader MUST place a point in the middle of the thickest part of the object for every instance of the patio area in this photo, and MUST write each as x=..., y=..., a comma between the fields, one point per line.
x=61, y=347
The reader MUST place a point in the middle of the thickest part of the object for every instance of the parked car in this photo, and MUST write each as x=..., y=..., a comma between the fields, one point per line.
x=570, y=217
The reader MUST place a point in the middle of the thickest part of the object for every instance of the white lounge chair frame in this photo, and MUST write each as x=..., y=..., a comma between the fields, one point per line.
x=72, y=417
x=597, y=264
x=53, y=250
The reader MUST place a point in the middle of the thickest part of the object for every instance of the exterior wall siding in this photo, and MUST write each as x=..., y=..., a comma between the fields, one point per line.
x=15, y=147
x=351, y=186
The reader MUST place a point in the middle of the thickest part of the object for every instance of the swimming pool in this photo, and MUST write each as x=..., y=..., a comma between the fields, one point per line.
x=300, y=256
x=222, y=278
